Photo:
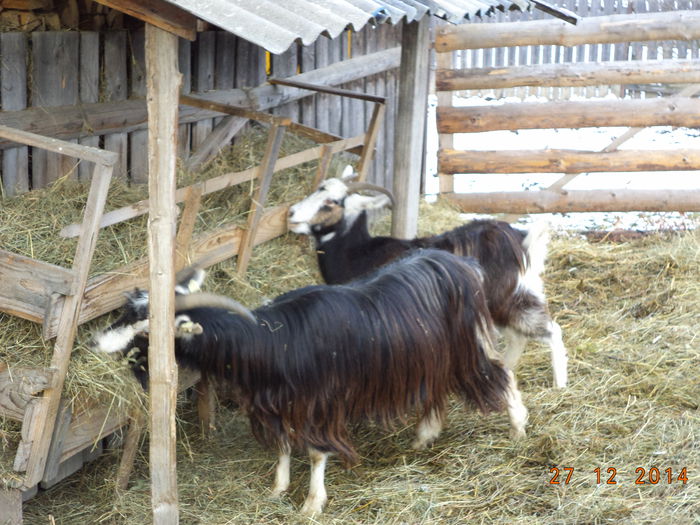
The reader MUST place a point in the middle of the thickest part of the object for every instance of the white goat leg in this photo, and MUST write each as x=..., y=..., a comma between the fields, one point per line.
x=428, y=430
x=317, y=491
x=560, y=359
x=516, y=410
x=281, y=474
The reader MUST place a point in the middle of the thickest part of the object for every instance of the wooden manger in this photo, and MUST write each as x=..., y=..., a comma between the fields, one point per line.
x=54, y=442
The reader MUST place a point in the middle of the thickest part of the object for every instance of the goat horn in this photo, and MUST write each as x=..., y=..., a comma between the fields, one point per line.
x=355, y=187
x=202, y=299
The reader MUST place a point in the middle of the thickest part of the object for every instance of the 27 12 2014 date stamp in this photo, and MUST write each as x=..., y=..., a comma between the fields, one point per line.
x=650, y=476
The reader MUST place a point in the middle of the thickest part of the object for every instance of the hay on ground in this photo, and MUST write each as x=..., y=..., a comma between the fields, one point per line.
x=629, y=315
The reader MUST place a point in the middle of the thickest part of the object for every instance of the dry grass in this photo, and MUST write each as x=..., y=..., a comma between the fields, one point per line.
x=629, y=314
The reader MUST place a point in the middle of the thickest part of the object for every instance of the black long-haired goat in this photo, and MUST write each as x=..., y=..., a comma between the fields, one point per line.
x=512, y=260
x=317, y=359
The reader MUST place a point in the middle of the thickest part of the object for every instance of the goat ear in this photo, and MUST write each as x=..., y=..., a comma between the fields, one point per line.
x=349, y=174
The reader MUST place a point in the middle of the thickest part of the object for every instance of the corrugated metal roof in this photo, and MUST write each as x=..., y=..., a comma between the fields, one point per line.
x=275, y=25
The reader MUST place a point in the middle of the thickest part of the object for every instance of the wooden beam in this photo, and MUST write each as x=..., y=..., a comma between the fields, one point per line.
x=236, y=111
x=78, y=151
x=329, y=90
x=672, y=25
x=266, y=169
x=159, y=13
x=163, y=83
x=570, y=75
x=547, y=201
x=87, y=120
x=183, y=240
x=566, y=161
x=19, y=386
x=410, y=126
x=324, y=162
x=672, y=111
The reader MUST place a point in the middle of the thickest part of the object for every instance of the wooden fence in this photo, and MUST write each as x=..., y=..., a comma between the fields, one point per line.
x=583, y=53
x=680, y=110
x=103, y=72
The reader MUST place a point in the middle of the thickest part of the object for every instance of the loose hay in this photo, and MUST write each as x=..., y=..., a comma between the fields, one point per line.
x=629, y=315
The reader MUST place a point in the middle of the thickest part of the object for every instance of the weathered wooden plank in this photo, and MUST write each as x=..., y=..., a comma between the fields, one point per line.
x=19, y=386
x=138, y=140
x=183, y=240
x=218, y=139
x=30, y=282
x=370, y=42
x=158, y=13
x=89, y=88
x=678, y=25
x=53, y=460
x=225, y=63
x=283, y=66
x=91, y=119
x=373, y=132
x=233, y=110
x=584, y=74
x=567, y=161
x=115, y=90
x=546, y=201
x=333, y=91
x=184, y=58
x=41, y=428
x=163, y=82
x=308, y=104
x=323, y=101
x=671, y=111
x=58, y=146
x=13, y=94
x=410, y=125
x=54, y=83
x=204, y=63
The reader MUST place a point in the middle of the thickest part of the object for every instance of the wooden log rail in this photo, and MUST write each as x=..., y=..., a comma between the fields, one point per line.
x=672, y=111
x=672, y=25
x=566, y=161
x=571, y=75
x=548, y=201
x=72, y=122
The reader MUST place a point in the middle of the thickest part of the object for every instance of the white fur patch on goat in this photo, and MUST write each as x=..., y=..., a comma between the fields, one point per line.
x=117, y=339
x=304, y=211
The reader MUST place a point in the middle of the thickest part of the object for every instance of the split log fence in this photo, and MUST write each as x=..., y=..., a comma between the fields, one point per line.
x=678, y=110
x=588, y=53
x=89, y=87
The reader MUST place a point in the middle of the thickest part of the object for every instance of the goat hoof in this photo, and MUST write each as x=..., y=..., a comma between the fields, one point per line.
x=312, y=507
x=517, y=434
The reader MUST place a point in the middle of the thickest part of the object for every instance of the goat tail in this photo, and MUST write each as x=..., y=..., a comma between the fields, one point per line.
x=535, y=246
x=484, y=380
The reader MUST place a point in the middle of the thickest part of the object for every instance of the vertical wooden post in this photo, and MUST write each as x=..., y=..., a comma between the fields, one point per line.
x=410, y=126
x=163, y=84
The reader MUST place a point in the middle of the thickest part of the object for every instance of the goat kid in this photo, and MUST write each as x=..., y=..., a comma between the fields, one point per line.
x=336, y=215
x=316, y=360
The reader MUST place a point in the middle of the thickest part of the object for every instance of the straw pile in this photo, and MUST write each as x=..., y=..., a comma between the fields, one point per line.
x=629, y=315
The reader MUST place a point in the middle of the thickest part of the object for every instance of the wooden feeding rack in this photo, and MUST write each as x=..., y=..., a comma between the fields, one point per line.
x=54, y=441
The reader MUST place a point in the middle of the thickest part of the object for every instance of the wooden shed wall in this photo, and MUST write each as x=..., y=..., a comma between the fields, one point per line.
x=68, y=68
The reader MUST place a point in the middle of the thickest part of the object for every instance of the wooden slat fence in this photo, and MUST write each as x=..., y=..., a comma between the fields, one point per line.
x=546, y=54
x=61, y=68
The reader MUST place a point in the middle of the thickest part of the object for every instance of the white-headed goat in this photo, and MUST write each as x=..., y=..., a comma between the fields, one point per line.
x=316, y=360
x=512, y=260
